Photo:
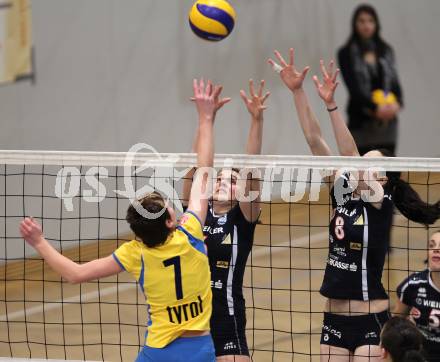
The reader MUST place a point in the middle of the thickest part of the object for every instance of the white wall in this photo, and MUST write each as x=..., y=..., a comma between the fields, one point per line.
x=111, y=73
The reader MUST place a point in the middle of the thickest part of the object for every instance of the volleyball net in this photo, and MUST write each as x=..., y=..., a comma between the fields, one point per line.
x=81, y=201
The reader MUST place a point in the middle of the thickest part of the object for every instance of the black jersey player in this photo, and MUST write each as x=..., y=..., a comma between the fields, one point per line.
x=357, y=304
x=419, y=298
x=229, y=234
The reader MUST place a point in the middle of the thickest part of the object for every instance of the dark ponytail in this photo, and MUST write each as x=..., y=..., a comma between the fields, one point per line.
x=408, y=201
x=402, y=340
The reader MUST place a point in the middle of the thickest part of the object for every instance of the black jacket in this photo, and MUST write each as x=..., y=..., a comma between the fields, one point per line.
x=360, y=86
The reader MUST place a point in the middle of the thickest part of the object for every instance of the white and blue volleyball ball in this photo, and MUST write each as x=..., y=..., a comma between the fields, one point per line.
x=212, y=20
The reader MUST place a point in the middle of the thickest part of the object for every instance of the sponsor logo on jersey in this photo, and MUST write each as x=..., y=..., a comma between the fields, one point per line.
x=217, y=285
x=227, y=240
x=331, y=330
x=431, y=337
x=222, y=264
x=429, y=303
x=346, y=212
x=341, y=265
x=228, y=346
x=212, y=231
x=371, y=335
x=421, y=292
x=222, y=220
x=184, y=312
x=360, y=220
x=355, y=246
x=340, y=251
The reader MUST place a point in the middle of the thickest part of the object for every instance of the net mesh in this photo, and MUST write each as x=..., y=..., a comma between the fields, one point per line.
x=80, y=201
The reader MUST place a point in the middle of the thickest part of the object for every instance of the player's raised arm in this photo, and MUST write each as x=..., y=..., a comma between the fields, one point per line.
x=207, y=100
x=255, y=105
x=326, y=90
x=73, y=272
x=219, y=103
x=294, y=79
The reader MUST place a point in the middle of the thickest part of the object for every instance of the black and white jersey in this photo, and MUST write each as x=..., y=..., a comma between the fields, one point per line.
x=420, y=293
x=358, y=243
x=229, y=239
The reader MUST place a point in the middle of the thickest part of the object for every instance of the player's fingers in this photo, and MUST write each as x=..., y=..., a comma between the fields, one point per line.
x=244, y=96
x=335, y=76
x=195, y=87
x=25, y=226
x=260, y=91
x=217, y=90
x=323, y=70
x=26, y=230
x=201, y=86
x=251, y=88
x=265, y=97
x=275, y=66
x=280, y=58
x=21, y=225
x=224, y=101
x=291, y=56
x=335, y=86
x=304, y=72
x=330, y=68
x=316, y=81
x=208, y=90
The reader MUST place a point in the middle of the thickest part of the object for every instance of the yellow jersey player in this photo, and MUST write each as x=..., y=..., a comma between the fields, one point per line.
x=168, y=260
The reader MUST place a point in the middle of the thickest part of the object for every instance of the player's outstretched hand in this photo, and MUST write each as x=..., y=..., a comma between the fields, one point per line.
x=31, y=231
x=327, y=88
x=207, y=98
x=255, y=104
x=291, y=77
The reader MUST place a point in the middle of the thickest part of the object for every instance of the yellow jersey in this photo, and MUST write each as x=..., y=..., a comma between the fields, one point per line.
x=175, y=279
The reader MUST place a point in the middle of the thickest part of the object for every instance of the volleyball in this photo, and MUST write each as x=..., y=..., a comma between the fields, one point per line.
x=212, y=20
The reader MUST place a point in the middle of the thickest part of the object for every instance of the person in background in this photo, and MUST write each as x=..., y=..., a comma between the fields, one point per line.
x=419, y=299
x=368, y=67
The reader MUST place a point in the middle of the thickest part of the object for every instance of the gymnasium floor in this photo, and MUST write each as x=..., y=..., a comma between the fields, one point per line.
x=285, y=271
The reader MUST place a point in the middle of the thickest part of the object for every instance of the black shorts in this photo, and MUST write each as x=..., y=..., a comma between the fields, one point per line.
x=229, y=336
x=354, y=331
